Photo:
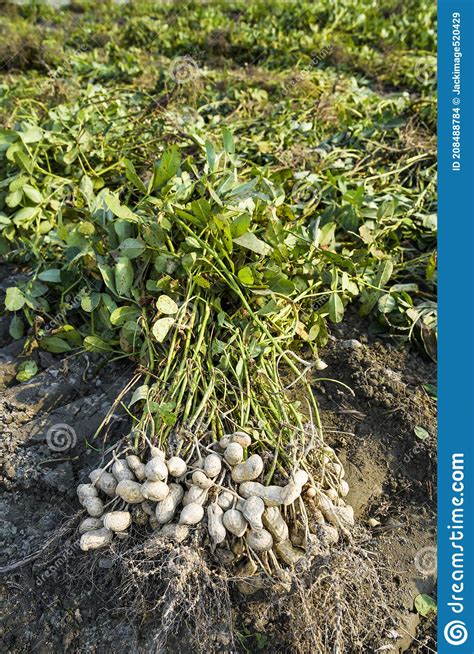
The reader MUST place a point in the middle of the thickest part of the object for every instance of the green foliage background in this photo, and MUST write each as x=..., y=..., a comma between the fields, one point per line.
x=307, y=127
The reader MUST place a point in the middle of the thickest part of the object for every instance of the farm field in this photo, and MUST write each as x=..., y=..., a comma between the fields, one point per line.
x=218, y=259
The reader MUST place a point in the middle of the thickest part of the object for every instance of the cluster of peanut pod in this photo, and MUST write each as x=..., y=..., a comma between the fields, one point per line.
x=250, y=520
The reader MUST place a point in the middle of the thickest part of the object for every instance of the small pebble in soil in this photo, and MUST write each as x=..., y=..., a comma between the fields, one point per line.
x=351, y=344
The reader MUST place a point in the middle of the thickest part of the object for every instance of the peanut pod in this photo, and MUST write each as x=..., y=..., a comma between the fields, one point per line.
x=191, y=514
x=195, y=495
x=94, y=506
x=156, y=470
x=121, y=471
x=215, y=526
x=104, y=481
x=93, y=540
x=155, y=490
x=235, y=522
x=259, y=540
x=234, y=453
x=117, y=520
x=212, y=465
x=166, y=509
x=287, y=553
x=90, y=524
x=136, y=466
x=130, y=491
x=252, y=510
x=274, y=522
x=176, y=466
x=248, y=470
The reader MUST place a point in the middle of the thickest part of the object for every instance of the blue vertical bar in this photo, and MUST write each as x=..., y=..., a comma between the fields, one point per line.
x=456, y=327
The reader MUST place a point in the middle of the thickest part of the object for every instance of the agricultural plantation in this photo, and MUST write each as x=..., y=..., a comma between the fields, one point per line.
x=218, y=326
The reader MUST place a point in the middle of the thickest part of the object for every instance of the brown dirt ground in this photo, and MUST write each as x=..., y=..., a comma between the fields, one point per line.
x=49, y=606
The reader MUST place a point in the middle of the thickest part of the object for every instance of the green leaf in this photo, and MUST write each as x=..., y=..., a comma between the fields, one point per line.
x=131, y=248
x=53, y=275
x=387, y=303
x=431, y=390
x=243, y=189
x=165, y=304
x=421, y=433
x=140, y=393
x=211, y=155
x=90, y=302
x=281, y=284
x=270, y=307
x=96, y=344
x=166, y=414
x=123, y=275
x=335, y=308
x=27, y=370
x=229, y=145
x=132, y=176
x=13, y=199
x=120, y=210
x=251, y=242
x=425, y=604
x=202, y=210
x=108, y=276
x=14, y=299
x=31, y=135
x=121, y=315
x=166, y=169
x=24, y=215
x=33, y=194
x=86, y=228
x=16, y=328
x=54, y=344
x=246, y=276
x=161, y=328
x=240, y=225
x=384, y=273
x=201, y=281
